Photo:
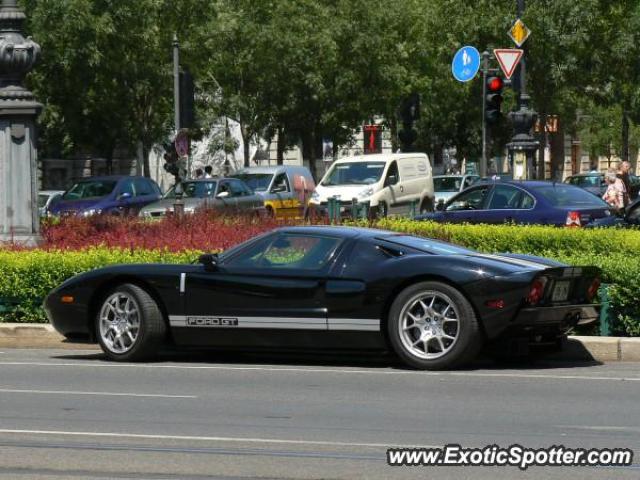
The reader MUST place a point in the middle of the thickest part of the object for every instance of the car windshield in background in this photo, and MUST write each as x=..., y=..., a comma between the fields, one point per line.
x=90, y=189
x=427, y=245
x=42, y=200
x=586, y=181
x=560, y=195
x=258, y=182
x=447, y=184
x=194, y=190
x=356, y=173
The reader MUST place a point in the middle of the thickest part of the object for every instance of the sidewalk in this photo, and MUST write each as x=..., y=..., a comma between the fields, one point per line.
x=602, y=349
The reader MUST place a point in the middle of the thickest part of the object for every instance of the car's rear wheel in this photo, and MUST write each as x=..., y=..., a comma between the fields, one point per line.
x=432, y=326
x=129, y=324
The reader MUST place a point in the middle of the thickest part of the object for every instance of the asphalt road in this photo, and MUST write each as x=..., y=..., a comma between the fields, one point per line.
x=71, y=414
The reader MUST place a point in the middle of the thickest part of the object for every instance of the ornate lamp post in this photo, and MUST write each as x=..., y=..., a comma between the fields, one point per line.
x=523, y=146
x=18, y=112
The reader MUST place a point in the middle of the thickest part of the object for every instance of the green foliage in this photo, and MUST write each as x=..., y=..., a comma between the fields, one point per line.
x=28, y=276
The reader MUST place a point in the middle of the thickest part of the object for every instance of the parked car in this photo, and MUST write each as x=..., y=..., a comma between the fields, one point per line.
x=286, y=189
x=594, y=182
x=115, y=194
x=47, y=198
x=540, y=202
x=446, y=186
x=434, y=304
x=225, y=194
x=390, y=183
x=630, y=217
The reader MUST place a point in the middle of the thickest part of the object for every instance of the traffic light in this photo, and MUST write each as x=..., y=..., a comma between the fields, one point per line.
x=409, y=112
x=493, y=99
x=171, y=159
x=187, y=100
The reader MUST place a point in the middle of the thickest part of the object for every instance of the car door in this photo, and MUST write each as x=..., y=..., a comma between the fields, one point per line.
x=144, y=193
x=277, y=282
x=468, y=206
x=282, y=191
x=225, y=199
x=125, y=197
x=395, y=189
x=509, y=204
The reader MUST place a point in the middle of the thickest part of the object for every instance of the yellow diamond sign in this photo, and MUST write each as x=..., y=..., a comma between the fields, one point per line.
x=519, y=32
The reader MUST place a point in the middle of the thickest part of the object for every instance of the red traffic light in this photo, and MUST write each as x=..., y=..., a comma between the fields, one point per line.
x=494, y=84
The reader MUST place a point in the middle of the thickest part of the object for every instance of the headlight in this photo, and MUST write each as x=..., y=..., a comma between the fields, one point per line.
x=91, y=211
x=315, y=195
x=365, y=193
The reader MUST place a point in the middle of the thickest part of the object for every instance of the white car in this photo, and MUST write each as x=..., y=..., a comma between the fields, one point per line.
x=46, y=198
x=446, y=186
x=389, y=183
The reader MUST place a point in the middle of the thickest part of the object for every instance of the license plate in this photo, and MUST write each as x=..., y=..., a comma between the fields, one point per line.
x=560, y=292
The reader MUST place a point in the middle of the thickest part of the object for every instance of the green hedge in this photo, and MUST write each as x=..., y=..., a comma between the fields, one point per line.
x=615, y=251
x=28, y=276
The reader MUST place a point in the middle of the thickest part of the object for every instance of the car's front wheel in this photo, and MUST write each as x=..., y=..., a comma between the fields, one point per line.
x=432, y=326
x=129, y=324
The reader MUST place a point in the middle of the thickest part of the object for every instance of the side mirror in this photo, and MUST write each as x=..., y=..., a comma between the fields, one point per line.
x=440, y=205
x=210, y=261
x=124, y=196
x=222, y=195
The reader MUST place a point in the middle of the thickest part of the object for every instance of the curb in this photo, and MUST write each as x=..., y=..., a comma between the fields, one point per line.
x=601, y=349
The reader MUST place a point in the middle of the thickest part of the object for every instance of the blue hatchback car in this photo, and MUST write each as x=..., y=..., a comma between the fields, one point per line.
x=115, y=194
x=528, y=202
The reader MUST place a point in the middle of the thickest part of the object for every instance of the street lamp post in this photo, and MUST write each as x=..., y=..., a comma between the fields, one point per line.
x=523, y=146
x=19, y=219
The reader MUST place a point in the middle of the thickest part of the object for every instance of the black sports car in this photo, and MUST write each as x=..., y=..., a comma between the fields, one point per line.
x=434, y=304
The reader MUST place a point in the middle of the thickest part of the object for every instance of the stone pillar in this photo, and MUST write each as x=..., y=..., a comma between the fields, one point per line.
x=18, y=136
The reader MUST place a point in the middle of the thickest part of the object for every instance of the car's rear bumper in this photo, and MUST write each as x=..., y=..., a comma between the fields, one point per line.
x=563, y=316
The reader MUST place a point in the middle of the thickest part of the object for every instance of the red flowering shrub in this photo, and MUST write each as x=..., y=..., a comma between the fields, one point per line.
x=203, y=230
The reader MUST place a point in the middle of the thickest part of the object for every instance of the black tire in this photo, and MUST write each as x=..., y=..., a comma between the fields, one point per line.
x=454, y=353
x=426, y=206
x=383, y=210
x=151, y=332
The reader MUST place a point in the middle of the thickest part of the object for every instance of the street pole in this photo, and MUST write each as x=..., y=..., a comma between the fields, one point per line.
x=485, y=69
x=178, y=206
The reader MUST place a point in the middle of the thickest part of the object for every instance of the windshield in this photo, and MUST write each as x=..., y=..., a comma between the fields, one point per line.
x=585, y=181
x=447, y=184
x=560, y=195
x=428, y=245
x=194, y=190
x=354, y=173
x=258, y=182
x=90, y=189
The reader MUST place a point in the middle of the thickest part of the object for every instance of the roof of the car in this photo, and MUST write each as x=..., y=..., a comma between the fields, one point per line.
x=272, y=169
x=339, y=230
x=108, y=177
x=587, y=174
x=50, y=192
x=380, y=157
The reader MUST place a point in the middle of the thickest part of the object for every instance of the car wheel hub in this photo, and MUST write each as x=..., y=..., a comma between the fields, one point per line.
x=119, y=322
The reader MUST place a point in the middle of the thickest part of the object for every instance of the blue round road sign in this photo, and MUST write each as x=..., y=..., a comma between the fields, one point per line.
x=466, y=64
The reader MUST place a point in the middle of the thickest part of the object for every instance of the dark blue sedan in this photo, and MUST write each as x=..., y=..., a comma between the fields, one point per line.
x=115, y=194
x=525, y=202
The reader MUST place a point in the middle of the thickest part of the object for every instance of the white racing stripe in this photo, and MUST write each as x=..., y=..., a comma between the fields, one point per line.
x=274, y=368
x=106, y=394
x=207, y=439
x=278, y=323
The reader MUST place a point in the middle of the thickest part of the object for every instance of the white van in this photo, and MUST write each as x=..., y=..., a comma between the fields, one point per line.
x=388, y=182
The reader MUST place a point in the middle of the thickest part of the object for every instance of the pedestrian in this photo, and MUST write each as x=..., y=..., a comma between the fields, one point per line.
x=614, y=195
x=208, y=171
x=199, y=173
x=623, y=174
x=594, y=168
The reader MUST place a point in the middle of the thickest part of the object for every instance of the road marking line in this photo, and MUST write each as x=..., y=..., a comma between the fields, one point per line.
x=603, y=428
x=209, y=439
x=108, y=394
x=543, y=376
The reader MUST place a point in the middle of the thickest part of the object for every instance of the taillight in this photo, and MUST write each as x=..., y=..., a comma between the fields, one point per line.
x=593, y=289
x=536, y=292
x=573, y=219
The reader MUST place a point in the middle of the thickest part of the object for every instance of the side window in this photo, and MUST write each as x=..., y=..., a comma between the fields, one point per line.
x=393, y=176
x=224, y=188
x=526, y=200
x=289, y=251
x=505, y=197
x=127, y=187
x=281, y=184
x=470, y=200
x=142, y=187
x=236, y=189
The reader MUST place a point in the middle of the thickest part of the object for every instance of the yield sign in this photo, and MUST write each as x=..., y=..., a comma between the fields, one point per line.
x=508, y=59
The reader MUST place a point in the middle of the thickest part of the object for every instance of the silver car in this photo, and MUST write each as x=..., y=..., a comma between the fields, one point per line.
x=46, y=198
x=446, y=186
x=228, y=195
